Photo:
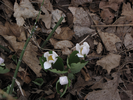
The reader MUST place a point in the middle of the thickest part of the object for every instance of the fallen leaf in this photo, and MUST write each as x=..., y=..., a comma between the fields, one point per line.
x=99, y=48
x=33, y=63
x=47, y=4
x=109, y=40
x=56, y=15
x=63, y=44
x=105, y=5
x=81, y=21
x=79, y=2
x=5, y=7
x=24, y=10
x=107, y=16
x=109, y=90
x=109, y=62
x=46, y=18
x=65, y=34
x=66, y=51
x=128, y=41
x=127, y=11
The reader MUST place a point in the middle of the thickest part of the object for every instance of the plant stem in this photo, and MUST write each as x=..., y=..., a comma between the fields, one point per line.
x=22, y=53
x=5, y=49
x=56, y=26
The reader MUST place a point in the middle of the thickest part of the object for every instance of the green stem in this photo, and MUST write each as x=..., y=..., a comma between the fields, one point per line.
x=22, y=53
x=56, y=26
x=5, y=49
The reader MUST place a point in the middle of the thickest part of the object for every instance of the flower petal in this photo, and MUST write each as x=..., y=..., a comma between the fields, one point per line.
x=78, y=47
x=47, y=65
x=1, y=60
x=63, y=80
x=86, y=44
x=46, y=55
x=85, y=50
x=55, y=54
x=79, y=55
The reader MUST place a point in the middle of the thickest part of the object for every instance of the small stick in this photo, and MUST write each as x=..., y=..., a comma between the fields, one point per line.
x=112, y=25
x=85, y=75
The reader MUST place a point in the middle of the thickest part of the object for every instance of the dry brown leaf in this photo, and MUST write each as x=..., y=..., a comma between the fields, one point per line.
x=66, y=51
x=81, y=21
x=66, y=34
x=107, y=16
x=79, y=2
x=7, y=7
x=109, y=89
x=30, y=56
x=105, y=5
x=109, y=40
x=46, y=18
x=128, y=41
x=127, y=10
x=63, y=44
x=109, y=62
x=24, y=10
x=106, y=94
x=47, y=4
x=99, y=48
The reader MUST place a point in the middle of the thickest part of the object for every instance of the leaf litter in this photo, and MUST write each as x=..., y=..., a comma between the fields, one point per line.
x=110, y=58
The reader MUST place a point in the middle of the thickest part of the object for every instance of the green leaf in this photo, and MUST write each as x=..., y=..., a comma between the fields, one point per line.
x=42, y=60
x=14, y=58
x=38, y=81
x=50, y=52
x=58, y=64
x=3, y=70
x=58, y=71
x=73, y=58
x=2, y=64
x=59, y=87
x=76, y=67
x=71, y=76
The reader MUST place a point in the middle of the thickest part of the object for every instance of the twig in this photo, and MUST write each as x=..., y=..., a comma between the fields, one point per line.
x=18, y=83
x=112, y=25
x=56, y=26
x=22, y=53
x=87, y=78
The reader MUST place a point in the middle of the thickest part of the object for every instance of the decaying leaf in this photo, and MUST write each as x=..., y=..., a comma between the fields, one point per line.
x=81, y=21
x=24, y=10
x=47, y=4
x=56, y=15
x=66, y=34
x=107, y=16
x=5, y=7
x=63, y=44
x=99, y=48
x=46, y=18
x=127, y=10
x=109, y=90
x=33, y=63
x=105, y=5
x=128, y=41
x=109, y=62
x=66, y=51
x=109, y=40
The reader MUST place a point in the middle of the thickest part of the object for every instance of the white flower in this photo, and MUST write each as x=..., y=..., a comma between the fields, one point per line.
x=1, y=60
x=63, y=80
x=51, y=58
x=83, y=49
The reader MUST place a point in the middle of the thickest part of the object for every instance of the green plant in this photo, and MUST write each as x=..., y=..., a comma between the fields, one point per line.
x=50, y=61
